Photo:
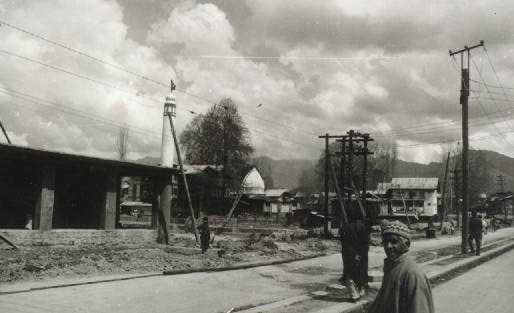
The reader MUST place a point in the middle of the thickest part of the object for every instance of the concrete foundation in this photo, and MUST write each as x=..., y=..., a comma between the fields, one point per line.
x=80, y=237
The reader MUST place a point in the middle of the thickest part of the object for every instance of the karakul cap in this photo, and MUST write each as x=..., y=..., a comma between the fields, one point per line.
x=396, y=228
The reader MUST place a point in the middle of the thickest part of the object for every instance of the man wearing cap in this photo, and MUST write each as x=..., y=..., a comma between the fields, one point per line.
x=405, y=288
x=205, y=234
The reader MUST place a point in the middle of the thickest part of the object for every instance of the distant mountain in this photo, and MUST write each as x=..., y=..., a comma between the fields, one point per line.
x=494, y=164
x=287, y=172
x=149, y=160
x=413, y=169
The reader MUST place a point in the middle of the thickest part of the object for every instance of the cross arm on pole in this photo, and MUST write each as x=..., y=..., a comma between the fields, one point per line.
x=466, y=48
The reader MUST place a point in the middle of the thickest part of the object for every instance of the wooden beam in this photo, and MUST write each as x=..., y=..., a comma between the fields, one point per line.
x=45, y=204
x=109, y=205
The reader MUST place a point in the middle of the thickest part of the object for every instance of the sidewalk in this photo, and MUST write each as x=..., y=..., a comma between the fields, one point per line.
x=438, y=270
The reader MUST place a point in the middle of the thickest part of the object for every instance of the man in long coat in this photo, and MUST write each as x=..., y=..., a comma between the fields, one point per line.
x=405, y=288
x=475, y=232
x=355, y=247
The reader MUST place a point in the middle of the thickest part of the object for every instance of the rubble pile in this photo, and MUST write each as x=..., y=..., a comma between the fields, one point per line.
x=43, y=262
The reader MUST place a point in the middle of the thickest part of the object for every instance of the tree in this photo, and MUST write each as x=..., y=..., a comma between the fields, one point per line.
x=219, y=137
x=381, y=166
x=122, y=142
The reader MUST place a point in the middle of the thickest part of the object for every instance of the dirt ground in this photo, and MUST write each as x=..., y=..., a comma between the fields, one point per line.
x=42, y=262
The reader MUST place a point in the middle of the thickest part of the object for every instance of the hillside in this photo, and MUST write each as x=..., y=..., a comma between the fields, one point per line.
x=286, y=173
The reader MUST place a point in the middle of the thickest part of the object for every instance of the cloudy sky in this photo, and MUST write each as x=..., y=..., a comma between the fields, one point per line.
x=70, y=72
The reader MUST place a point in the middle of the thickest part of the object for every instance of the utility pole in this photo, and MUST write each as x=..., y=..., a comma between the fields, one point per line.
x=350, y=170
x=464, y=95
x=327, y=168
x=5, y=133
x=501, y=180
x=365, y=153
x=347, y=154
x=171, y=114
x=327, y=177
x=443, y=203
x=456, y=181
x=327, y=171
x=343, y=162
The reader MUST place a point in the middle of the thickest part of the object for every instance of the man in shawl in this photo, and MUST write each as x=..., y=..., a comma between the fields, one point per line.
x=355, y=247
x=205, y=234
x=475, y=232
x=405, y=288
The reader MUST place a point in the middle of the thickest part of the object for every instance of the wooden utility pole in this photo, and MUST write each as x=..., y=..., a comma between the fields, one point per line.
x=464, y=95
x=347, y=154
x=327, y=177
x=343, y=164
x=443, y=203
x=456, y=182
x=365, y=153
x=5, y=133
x=350, y=169
x=179, y=158
x=327, y=160
x=344, y=217
x=501, y=180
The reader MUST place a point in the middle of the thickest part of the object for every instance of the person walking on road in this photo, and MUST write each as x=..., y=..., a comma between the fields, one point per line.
x=355, y=246
x=475, y=232
x=205, y=234
x=405, y=288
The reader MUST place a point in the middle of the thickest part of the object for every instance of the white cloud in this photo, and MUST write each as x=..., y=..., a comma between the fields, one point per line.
x=78, y=115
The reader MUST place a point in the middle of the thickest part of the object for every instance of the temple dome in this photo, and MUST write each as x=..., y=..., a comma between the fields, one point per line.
x=253, y=183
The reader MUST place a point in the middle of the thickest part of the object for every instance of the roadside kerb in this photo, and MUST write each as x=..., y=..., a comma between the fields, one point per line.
x=164, y=273
x=434, y=276
x=242, y=266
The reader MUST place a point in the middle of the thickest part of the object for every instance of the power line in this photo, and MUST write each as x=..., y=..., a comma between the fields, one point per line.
x=144, y=77
x=71, y=73
x=69, y=110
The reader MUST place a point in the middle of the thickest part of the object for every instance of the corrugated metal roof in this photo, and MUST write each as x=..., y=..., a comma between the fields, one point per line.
x=382, y=188
x=275, y=192
x=40, y=155
x=415, y=183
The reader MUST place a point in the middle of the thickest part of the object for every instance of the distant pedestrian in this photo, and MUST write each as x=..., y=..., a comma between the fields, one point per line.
x=355, y=246
x=205, y=234
x=28, y=221
x=405, y=288
x=475, y=232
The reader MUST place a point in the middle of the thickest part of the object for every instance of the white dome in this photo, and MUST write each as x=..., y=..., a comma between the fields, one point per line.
x=253, y=183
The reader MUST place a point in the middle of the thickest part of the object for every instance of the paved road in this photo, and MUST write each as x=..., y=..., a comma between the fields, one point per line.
x=486, y=288
x=201, y=292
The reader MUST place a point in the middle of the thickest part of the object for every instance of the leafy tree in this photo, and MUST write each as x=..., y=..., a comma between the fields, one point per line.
x=122, y=142
x=219, y=137
x=381, y=166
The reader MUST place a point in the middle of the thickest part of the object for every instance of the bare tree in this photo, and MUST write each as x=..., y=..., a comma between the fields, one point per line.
x=122, y=142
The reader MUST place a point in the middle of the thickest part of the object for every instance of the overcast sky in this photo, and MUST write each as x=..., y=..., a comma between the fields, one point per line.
x=297, y=69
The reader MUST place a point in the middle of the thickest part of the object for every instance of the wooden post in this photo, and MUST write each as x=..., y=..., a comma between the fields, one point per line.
x=186, y=186
x=443, y=198
x=327, y=162
x=109, y=205
x=344, y=216
x=45, y=205
x=164, y=211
